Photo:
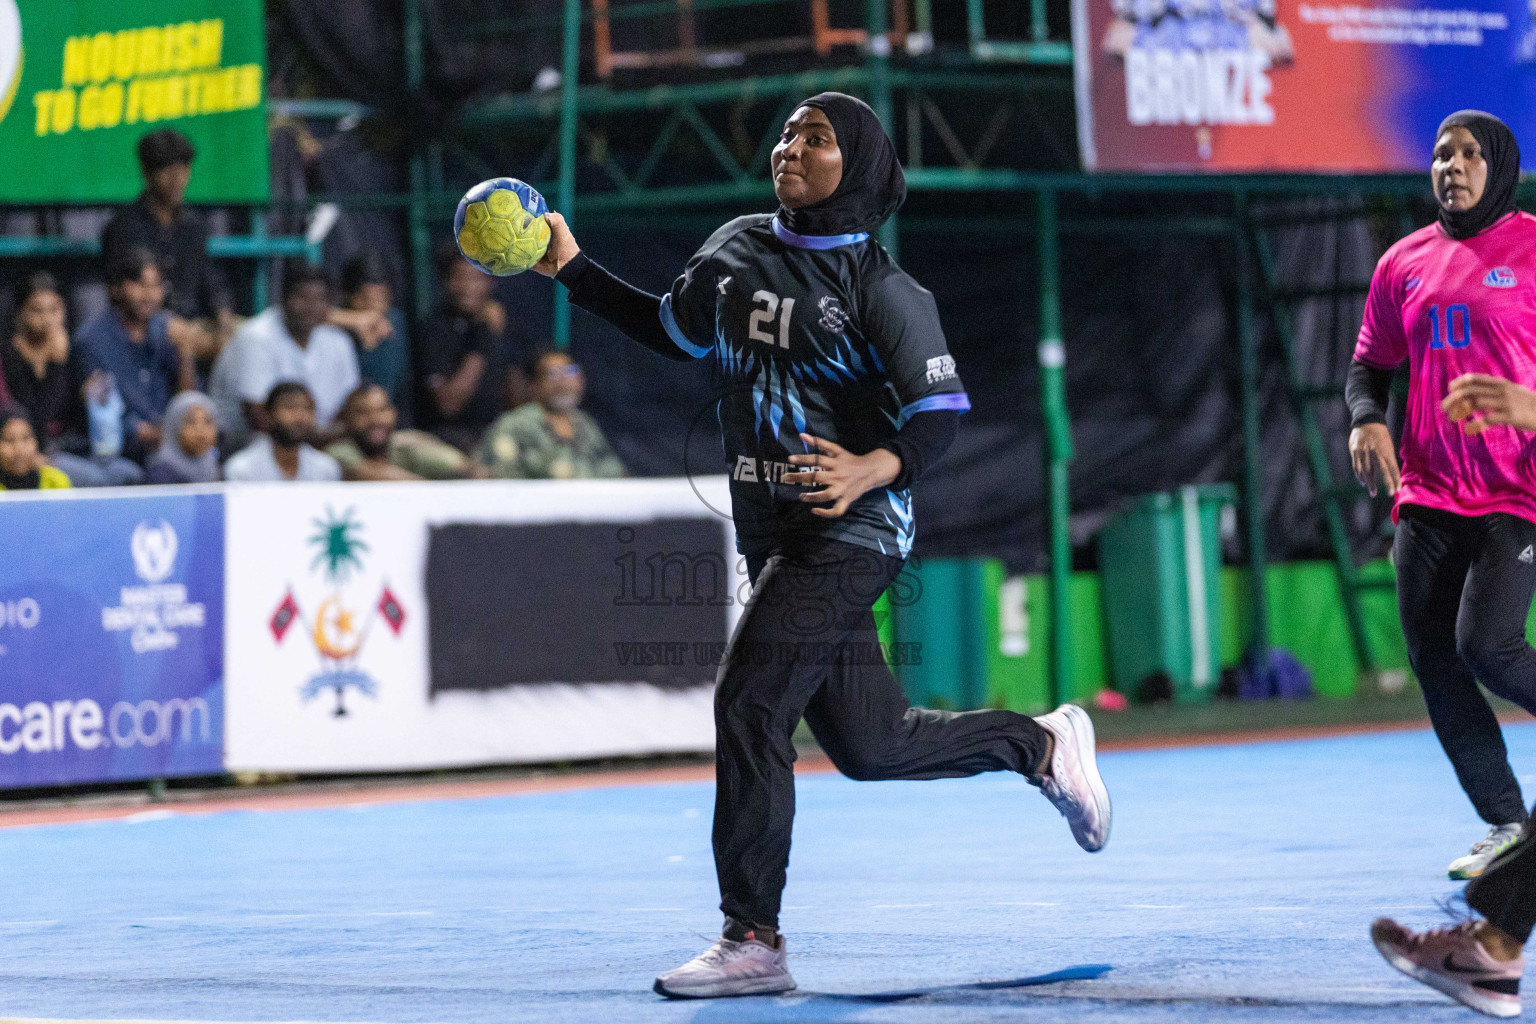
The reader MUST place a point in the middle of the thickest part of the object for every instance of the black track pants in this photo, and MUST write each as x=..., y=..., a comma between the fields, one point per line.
x=806, y=646
x=1464, y=591
x=1505, y=893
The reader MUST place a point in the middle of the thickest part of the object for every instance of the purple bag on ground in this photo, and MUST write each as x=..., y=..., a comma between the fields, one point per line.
x=1280, y=675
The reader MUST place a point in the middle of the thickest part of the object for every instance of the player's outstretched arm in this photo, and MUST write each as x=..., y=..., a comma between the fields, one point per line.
x=632, y=310
x=1478, y=401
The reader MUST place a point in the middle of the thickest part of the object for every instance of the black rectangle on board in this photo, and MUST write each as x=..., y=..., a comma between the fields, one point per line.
x=512, y=604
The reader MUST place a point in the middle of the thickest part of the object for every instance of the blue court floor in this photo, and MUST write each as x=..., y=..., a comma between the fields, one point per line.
x=1237, y=887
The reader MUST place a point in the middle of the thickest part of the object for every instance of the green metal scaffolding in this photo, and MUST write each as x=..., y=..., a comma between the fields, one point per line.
x=993, y=70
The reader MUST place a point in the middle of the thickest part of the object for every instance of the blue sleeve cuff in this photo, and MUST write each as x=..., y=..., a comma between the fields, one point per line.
x=669, y=322
x=956, y=400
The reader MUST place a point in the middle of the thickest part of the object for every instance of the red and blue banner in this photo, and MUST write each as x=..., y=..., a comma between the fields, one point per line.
x=111, y=638
x=1293, y=85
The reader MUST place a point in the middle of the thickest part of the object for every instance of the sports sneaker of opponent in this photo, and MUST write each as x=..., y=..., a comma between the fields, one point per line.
x=837, y=390
x=1479, y=963
x=1451, y=299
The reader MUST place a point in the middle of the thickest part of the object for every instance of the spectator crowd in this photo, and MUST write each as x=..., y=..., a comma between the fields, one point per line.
x=170, y=386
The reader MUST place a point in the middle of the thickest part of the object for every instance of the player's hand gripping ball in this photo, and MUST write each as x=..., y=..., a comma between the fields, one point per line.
x=500, y=226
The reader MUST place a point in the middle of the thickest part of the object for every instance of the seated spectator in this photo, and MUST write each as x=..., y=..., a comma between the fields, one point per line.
x=288, y=342
x=21, y=465
x=129, y=341
x=374, y=450
x=549, y=438
x=160, y=222
x=46, y=377
x=378, y=329
x=189, y=439
x=283, y=451
x=465, y=358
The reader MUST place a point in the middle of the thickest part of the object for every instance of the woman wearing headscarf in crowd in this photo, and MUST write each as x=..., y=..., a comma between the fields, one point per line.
x=21, y=465
x=837, y=390
x=189, y=441
x=1453, y=299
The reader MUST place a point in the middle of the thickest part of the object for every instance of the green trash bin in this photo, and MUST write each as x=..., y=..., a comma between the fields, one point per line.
x=1160, y=559
x=940, y=621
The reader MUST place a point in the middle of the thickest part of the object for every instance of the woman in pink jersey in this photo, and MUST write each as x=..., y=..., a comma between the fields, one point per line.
x=1455, y=298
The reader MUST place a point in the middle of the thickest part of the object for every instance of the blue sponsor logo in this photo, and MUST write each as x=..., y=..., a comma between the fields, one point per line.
x=1500, y=277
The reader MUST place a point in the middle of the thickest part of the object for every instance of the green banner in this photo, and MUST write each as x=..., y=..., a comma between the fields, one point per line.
x=82, y=80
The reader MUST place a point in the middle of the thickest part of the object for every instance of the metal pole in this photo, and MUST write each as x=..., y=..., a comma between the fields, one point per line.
x=880, y=91
x=1253, y=452
x=1039, y=29
x=420, y=236
x=975, y=22
x=261, y=283
x=1058, y=436
x=570, y=68
x=923, y=11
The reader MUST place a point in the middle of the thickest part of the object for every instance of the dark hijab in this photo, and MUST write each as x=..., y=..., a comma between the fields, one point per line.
x=175, y=464
x=27, y=481
x=1502, y=154
x=872, y=186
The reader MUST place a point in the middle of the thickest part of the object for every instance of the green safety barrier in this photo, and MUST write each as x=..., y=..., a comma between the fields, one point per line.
x=1160, y=559
x=967, y=635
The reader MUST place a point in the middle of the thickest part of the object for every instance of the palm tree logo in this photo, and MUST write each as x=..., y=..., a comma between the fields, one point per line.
x=339, y=544
x=336, y=632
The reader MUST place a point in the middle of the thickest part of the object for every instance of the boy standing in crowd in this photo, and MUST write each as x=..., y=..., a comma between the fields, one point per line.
x=160, y=221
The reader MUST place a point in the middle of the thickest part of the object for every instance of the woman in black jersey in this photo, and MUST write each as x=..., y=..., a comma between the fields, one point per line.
x=837, y=390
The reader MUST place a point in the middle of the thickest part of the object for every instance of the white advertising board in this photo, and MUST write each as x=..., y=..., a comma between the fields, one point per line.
x=326, y=612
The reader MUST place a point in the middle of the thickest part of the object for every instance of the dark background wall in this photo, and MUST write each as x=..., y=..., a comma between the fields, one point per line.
x=1149, y=314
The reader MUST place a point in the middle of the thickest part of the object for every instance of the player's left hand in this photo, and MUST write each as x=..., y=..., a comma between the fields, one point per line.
x=1479, y=401
x=843, y=476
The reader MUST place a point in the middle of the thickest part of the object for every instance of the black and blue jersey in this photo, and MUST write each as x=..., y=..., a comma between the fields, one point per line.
x=823, y=335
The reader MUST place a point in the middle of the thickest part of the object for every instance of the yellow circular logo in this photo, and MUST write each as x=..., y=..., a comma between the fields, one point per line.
x=10, y=54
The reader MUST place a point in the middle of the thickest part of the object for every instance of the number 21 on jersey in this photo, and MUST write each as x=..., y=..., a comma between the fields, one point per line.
x=1452, y=327
x=770, y=304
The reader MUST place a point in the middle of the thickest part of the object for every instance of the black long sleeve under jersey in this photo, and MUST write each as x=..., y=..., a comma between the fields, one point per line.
x=1366, y=392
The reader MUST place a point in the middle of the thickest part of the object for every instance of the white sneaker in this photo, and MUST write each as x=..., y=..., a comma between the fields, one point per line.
x=1074, y=785
x=1498, y=839
x=729, y=968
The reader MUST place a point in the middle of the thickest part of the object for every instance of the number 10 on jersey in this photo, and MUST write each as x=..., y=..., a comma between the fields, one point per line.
x=771, y=305
x=1454, y=326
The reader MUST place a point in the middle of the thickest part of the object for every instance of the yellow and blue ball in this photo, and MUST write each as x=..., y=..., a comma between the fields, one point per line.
x=500, y=226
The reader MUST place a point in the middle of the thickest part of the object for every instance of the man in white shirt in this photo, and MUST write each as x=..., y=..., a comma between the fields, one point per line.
x=290, y=341
x=282, y=453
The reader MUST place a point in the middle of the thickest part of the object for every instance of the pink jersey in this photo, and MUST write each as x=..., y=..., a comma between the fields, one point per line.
x=1452, y=307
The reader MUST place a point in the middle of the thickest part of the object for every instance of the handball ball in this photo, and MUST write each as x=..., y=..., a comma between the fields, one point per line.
x=500, y=226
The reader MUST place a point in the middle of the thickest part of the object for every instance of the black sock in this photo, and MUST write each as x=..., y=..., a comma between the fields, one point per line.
x=740, y=931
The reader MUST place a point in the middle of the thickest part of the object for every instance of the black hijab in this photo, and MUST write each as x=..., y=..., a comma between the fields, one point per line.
x=872, y=186
x=1502, y=154
x=26, y=481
